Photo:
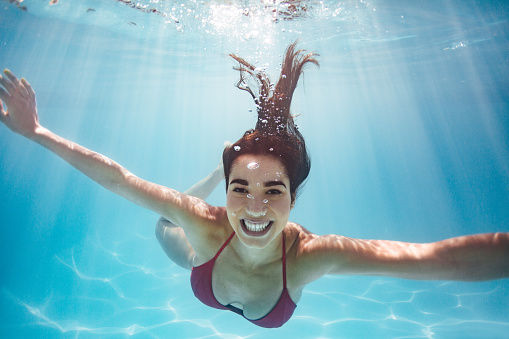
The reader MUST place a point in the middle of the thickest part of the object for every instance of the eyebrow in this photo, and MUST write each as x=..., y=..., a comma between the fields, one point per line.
x=265, y=184
x=239, y=181
x=274, y=183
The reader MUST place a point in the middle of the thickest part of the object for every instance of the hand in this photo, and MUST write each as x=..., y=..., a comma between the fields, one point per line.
x=19, y=96
x=220, y=168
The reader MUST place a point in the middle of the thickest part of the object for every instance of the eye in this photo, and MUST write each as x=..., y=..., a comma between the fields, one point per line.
x=274, y=192
x=239, y=190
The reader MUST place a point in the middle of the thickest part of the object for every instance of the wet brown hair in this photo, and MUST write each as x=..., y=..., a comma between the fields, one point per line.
x=275, y=133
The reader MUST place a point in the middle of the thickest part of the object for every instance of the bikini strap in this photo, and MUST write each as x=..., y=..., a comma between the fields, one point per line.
x=224, y=245
x=284, y=263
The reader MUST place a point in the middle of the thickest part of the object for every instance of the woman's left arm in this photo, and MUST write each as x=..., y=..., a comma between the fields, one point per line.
x=467, y=258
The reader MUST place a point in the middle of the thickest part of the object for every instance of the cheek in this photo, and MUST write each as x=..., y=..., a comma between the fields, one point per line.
x=283, y=206
x=232, y=204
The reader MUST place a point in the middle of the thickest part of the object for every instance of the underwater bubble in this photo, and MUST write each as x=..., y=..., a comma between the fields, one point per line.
x=234, y=214
x=250, y=196
x=258, y=184
x=265, y=201
x=271, y=149
x=237, y=148
x=253, y=165
x=264, y=121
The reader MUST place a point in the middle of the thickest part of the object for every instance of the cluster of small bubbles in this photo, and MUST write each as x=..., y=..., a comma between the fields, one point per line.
x=237, y=148
x=249, y=196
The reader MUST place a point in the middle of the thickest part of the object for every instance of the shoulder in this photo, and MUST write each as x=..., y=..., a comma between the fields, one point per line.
x=201, y=218
x=207, y=230
x=305, y=243
x=312, y=256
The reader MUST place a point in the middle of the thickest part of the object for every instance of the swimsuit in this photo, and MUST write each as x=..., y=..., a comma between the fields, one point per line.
x=201, y=283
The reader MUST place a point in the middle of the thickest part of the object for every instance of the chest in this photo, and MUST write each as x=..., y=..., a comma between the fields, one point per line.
x=254, y=290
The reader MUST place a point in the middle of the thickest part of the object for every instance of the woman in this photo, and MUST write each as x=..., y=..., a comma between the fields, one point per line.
x=247, y=257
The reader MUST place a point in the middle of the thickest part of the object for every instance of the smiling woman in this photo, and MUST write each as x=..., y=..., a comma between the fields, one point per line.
x=258, y=200
x=263, y=172
x=248, y=257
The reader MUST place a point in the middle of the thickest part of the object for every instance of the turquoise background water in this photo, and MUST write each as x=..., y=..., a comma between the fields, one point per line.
x=406, y=121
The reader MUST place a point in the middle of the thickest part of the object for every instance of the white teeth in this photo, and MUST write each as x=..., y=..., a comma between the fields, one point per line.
x=256, y=226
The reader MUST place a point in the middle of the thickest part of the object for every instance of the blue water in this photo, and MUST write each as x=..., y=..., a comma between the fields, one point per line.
x=406, y=121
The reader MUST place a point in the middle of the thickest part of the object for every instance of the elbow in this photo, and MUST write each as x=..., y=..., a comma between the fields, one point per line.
x=114, y=178
x=159, y=231
x=161, y=226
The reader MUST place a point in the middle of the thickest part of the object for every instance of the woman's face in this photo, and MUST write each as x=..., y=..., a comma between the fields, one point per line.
x=258, y=200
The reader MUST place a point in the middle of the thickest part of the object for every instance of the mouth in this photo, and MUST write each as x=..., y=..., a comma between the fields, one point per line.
x=256, y=228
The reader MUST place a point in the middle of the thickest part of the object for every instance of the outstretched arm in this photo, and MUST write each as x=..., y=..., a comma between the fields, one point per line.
x=467, y=258
x=23, y=119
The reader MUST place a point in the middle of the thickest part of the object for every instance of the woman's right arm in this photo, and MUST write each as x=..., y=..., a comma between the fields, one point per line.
x=22, y=118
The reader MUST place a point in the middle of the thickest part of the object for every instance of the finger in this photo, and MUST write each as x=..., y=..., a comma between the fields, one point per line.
x=28, y=87
x=15, y=81
x=7, y=84
x=11, y=76
x=3, y=113
x=4, y=95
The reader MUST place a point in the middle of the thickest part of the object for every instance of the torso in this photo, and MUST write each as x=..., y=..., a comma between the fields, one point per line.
x=255, y=290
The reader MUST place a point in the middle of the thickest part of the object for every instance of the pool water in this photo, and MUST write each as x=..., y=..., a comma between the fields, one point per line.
x=406, y=122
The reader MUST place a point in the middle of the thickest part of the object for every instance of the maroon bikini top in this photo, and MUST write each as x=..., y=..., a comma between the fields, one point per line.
x=201, y=283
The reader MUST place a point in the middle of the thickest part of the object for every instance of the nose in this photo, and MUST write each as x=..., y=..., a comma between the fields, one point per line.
x=256, y=207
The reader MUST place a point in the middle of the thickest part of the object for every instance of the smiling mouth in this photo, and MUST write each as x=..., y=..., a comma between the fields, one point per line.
x=257, y=228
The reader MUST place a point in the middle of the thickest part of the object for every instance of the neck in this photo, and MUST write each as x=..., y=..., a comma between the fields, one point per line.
x=252, y=256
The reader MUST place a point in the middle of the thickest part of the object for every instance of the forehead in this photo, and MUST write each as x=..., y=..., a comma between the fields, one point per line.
x=249, y=165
